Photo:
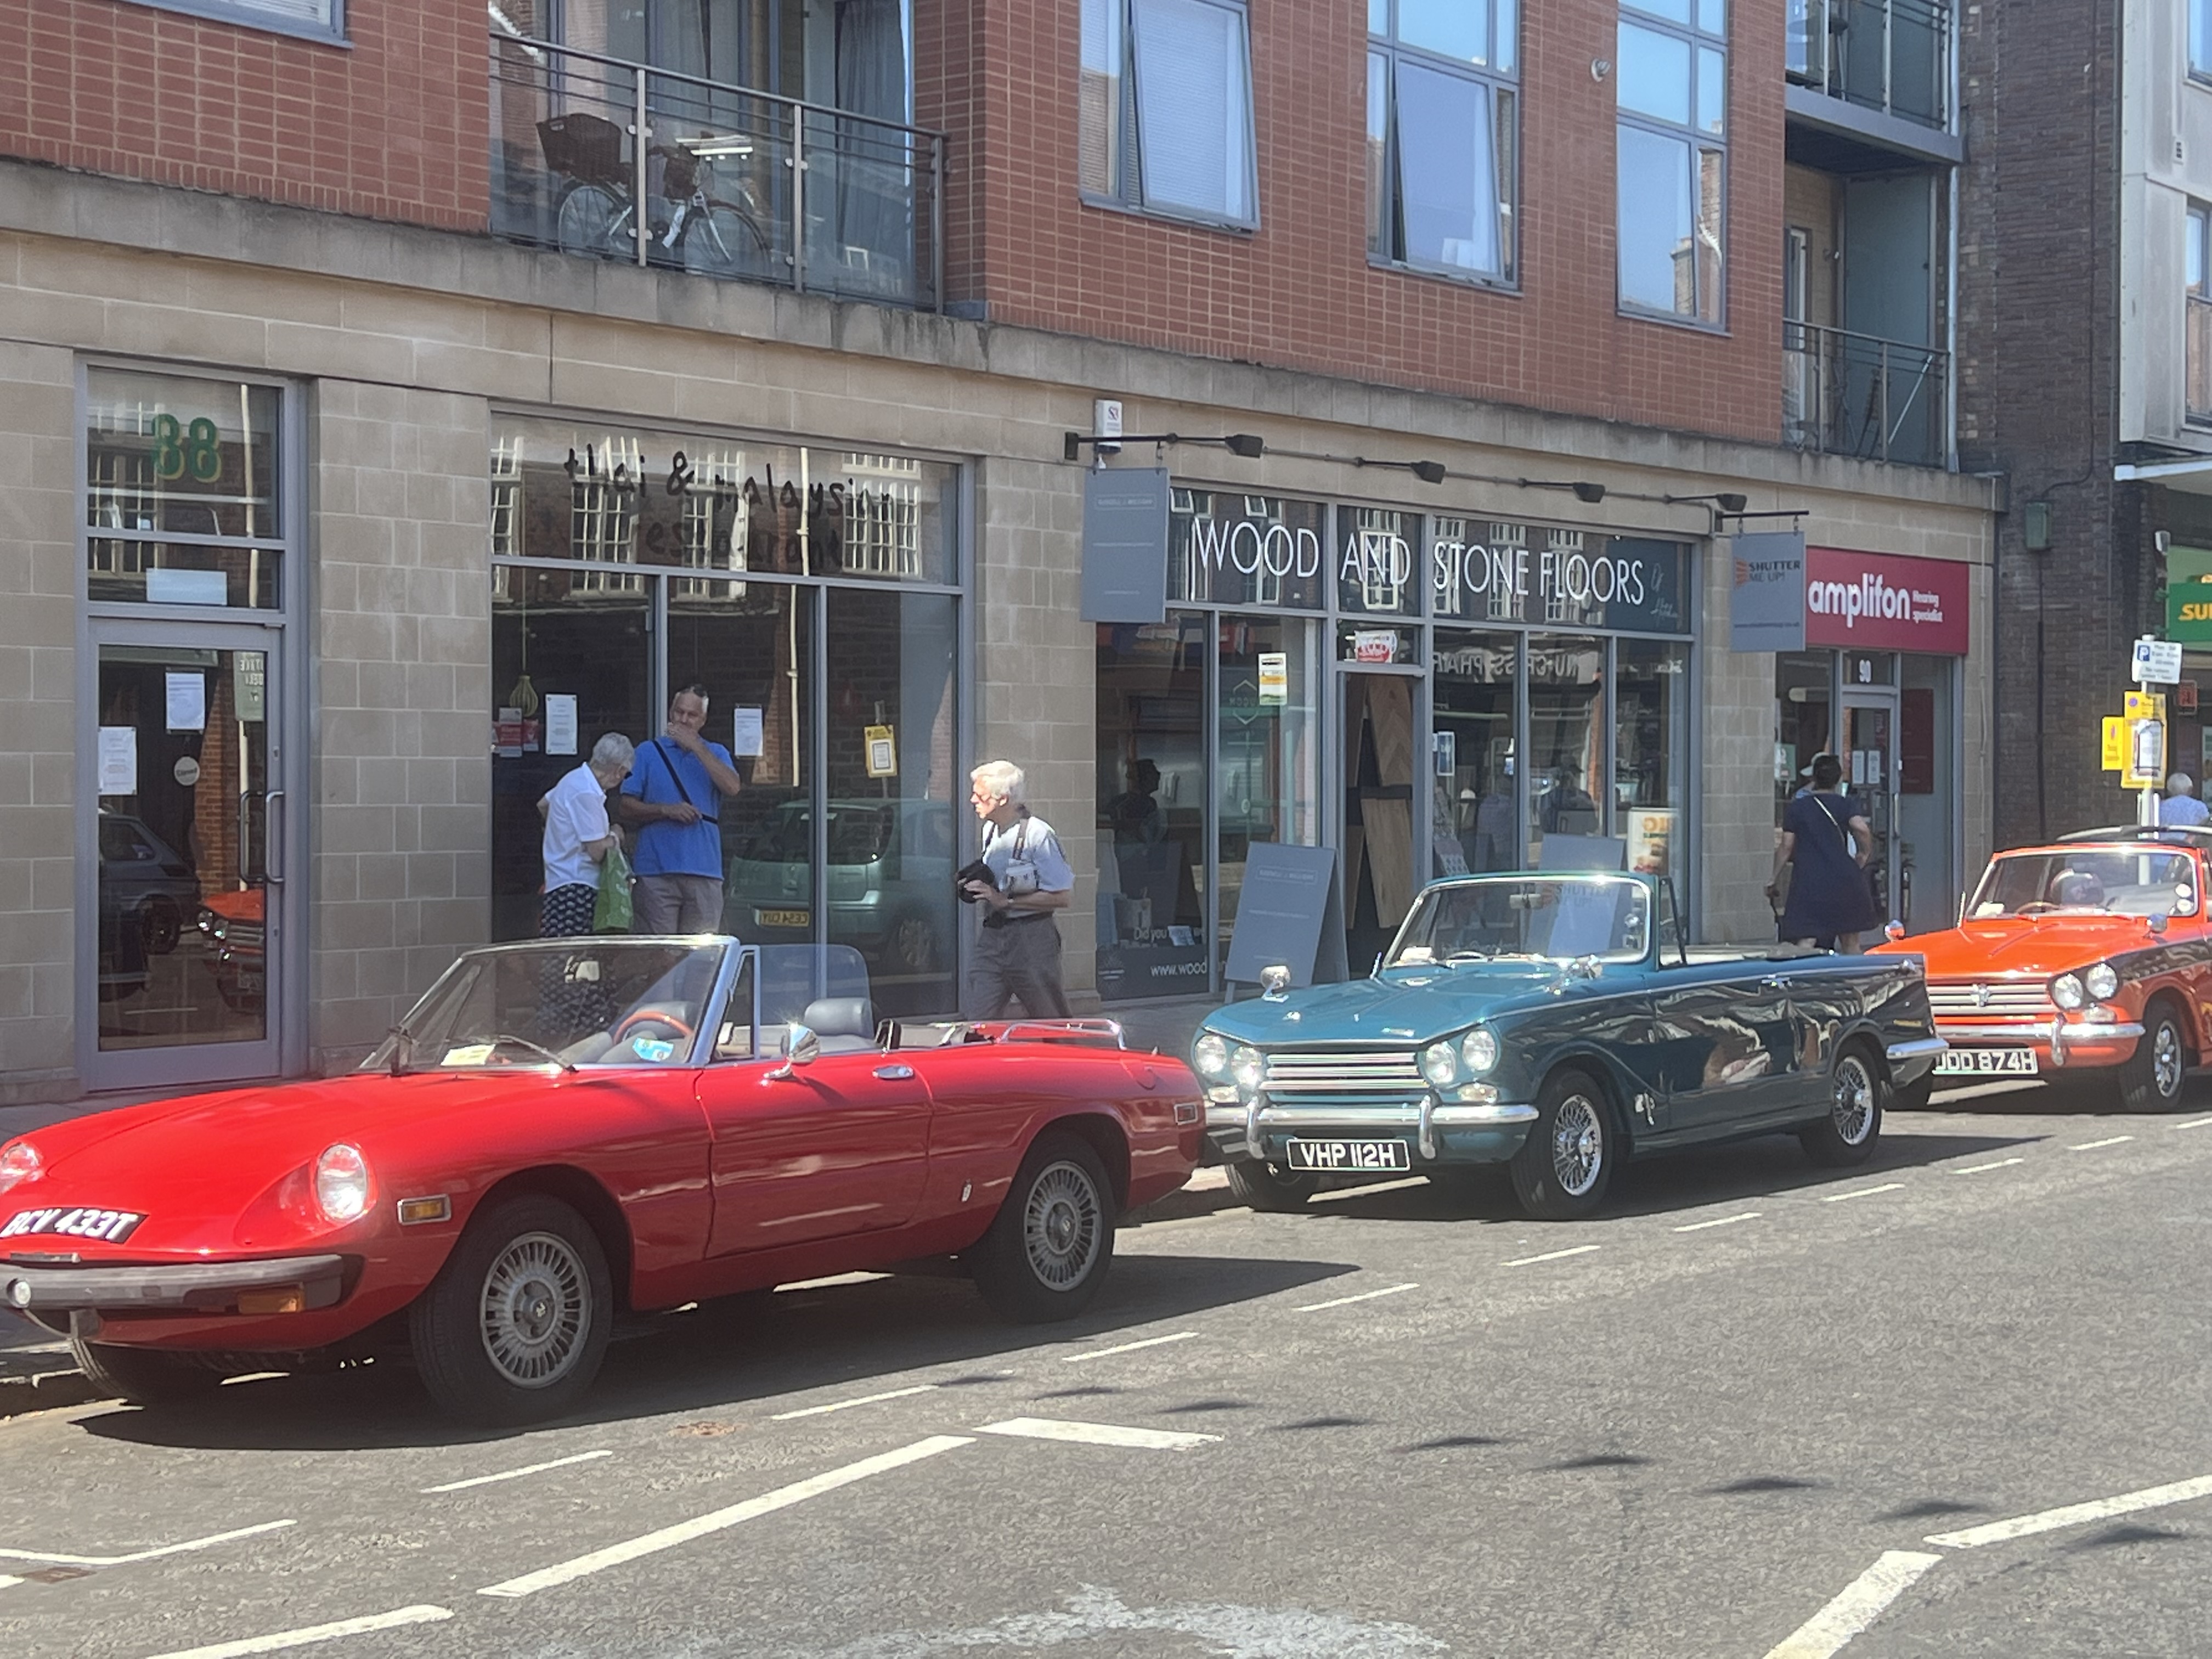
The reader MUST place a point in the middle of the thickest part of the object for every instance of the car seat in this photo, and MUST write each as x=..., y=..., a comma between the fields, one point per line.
x=2077, y=890
x=846, y=1025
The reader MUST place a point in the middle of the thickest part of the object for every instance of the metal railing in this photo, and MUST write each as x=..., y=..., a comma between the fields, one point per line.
x=745, y=186
x=1889, y=55
x=1856, y=394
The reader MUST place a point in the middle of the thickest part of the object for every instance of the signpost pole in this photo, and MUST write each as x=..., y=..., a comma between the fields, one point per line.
x=2146, y=799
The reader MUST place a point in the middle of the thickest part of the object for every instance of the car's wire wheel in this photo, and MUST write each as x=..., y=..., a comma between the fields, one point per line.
x=2166, y=1059
x=536, y=1308
x=1578, y=1145
x=1062, y=1225
x=1854, y=1098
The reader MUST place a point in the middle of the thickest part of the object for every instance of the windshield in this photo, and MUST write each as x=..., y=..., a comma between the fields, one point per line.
x=592, y=1001
x=2119, y=881
x=1553, y=918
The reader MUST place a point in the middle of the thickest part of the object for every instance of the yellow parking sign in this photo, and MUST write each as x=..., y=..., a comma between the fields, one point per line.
x=2115, y=743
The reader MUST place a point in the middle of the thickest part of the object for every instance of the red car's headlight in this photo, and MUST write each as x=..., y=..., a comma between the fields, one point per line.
x=20, y=1162
x=343, y=1190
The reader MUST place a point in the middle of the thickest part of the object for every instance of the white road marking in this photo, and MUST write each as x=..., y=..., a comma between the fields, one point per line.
x=1098, y=1434
x=1723, y=1221
x=1861, y=1603
x=685, y=1532
x=1977, y=1169
x=833, y=1279
x=1205, y=1220
x=1126, y=1348
x=2194, y=1123
x=847, y=1404
x=1862, y=1192
x=1346, y=1300
x=5, y=1581
x=2102, y=1509
x=313, y=1633
x=1369, y=1190
x=1553, y=1256
x=144, y=1555
x=517, y=1474
x=2092, y=1146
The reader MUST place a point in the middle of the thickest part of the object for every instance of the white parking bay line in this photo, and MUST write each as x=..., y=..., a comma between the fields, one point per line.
x=1980, y=1169
x=1369, y=1190
x=1364, y=1296
x=1553, y=1256
x=517, y=1474
x=2193, y=1123
x=685, y=1532
x=189, y=1544
x=314, y=1633
x=5, y=1581
x=1126, y=1348
x=2102, y=1509
x=1719, y=1221
x=1824, y=1633
x=847, y=1404
x=1098, y=1434
x=1862, y=1192
x=2092, y=1146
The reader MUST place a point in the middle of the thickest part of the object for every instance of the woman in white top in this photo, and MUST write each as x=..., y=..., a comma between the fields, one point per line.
x=577, y=836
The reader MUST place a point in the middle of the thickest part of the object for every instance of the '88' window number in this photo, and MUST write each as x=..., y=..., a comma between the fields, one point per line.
x=180, y=451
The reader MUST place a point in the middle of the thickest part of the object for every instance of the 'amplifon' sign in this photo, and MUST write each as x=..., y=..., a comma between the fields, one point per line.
x=1885, y=602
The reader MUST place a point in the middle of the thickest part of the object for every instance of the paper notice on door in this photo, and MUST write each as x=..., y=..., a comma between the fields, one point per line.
x=1274, y=676
x=119, y=760
x=560, y=724
x=745, y=736
x=187, y=701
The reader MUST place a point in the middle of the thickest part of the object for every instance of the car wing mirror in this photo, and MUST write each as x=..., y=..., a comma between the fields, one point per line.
x=801, y=1046
x=2157, y=924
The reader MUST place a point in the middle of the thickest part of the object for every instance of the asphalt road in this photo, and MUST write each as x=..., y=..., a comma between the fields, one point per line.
x=1725, y=1418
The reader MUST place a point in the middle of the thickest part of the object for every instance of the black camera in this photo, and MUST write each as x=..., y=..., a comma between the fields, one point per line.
x=977, y=871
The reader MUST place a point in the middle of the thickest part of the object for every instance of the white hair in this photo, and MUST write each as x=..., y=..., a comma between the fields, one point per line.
x=612, y=751
x=1004, y=780
x=2179, y=783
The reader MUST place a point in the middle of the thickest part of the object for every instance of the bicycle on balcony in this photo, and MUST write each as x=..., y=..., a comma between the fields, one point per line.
x=686, y=227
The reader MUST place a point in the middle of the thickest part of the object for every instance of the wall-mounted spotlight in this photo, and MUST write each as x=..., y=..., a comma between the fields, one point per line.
x=1427, y=471
x=1728, y=501
x=1249, y=444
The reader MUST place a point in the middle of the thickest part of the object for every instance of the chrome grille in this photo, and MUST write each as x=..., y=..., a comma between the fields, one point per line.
x=1992, y=1000
x=1351, y=1071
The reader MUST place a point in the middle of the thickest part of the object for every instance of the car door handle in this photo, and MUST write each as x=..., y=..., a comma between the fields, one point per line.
x=1774, y=982
x=895, y=1073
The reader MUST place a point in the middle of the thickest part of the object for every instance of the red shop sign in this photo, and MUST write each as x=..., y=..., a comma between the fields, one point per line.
x=1885, y=602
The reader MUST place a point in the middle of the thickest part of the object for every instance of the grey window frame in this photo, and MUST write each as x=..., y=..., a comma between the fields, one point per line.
x=245, y=15
x=1646, y=16
x=2196, y=301
x=1126, y=147
x=1497, y=82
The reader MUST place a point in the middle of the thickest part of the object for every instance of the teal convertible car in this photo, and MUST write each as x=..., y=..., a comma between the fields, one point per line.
x=1558, y=1024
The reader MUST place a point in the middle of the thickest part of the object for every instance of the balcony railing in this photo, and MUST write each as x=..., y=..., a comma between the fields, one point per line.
x=735, y=184
x=1854, y=394
x=1889, y=55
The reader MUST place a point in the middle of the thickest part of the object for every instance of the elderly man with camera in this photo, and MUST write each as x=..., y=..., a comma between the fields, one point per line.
x=1021, y=879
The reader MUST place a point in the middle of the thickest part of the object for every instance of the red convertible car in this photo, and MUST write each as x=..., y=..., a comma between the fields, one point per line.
x=566, y=1132
x=2091, y=957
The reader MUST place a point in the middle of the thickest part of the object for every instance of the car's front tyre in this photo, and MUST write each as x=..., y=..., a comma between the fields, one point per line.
x=2150, y=1080
x=1269, y=1186
x=513, y=1328
x=1563, y=1169
x=1048, y=1250
x=1847, y=1135
x=143, y=1376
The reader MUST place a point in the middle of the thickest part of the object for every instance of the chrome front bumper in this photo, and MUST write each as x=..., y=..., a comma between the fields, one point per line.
x=1425, y=1117
x=191, y=1287
x=2054, y=1036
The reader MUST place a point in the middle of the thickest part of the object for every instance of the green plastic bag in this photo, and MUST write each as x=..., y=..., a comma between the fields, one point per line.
x=613, y=912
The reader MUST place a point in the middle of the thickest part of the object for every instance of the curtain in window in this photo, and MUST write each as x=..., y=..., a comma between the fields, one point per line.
x=1193, y=108
x=874, y=196
x=1448, y=170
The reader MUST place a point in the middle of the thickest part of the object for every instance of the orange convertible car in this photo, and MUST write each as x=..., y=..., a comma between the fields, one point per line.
x=2093, y=954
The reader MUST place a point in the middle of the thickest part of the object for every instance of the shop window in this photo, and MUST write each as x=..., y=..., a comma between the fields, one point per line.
x=1375, y=563
x=1164, y=109
x=169, y=456
x=1671, y=80
x=1151, y=787
x=1235, y=550
x=1566, y=741
x=1650, y=747
x=1804, y=721
x=1474, y=684
x=1267, y=743
x=1442, y=136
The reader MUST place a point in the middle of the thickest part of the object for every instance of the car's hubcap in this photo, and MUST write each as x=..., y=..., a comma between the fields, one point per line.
x=913, y=944
x=1577, y=1145
x=537, y=1307
x=1061, y=1226
x=1854, y=1100
x=2166, y=1060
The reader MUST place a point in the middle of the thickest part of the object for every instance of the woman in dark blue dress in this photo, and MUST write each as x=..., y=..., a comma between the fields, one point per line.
x=1825, y=837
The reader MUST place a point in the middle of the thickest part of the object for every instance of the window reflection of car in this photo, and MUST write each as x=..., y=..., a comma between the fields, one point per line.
x=235, y=924
x=148, y=881
x=889, y=881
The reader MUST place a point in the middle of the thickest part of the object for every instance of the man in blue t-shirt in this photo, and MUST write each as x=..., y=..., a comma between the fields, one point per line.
x=674, y=797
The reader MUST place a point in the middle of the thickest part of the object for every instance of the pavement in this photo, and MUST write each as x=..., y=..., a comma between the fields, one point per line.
x=1953, y=1402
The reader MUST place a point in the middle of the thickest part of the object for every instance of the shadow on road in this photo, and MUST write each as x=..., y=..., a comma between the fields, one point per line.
x=721, y=1357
